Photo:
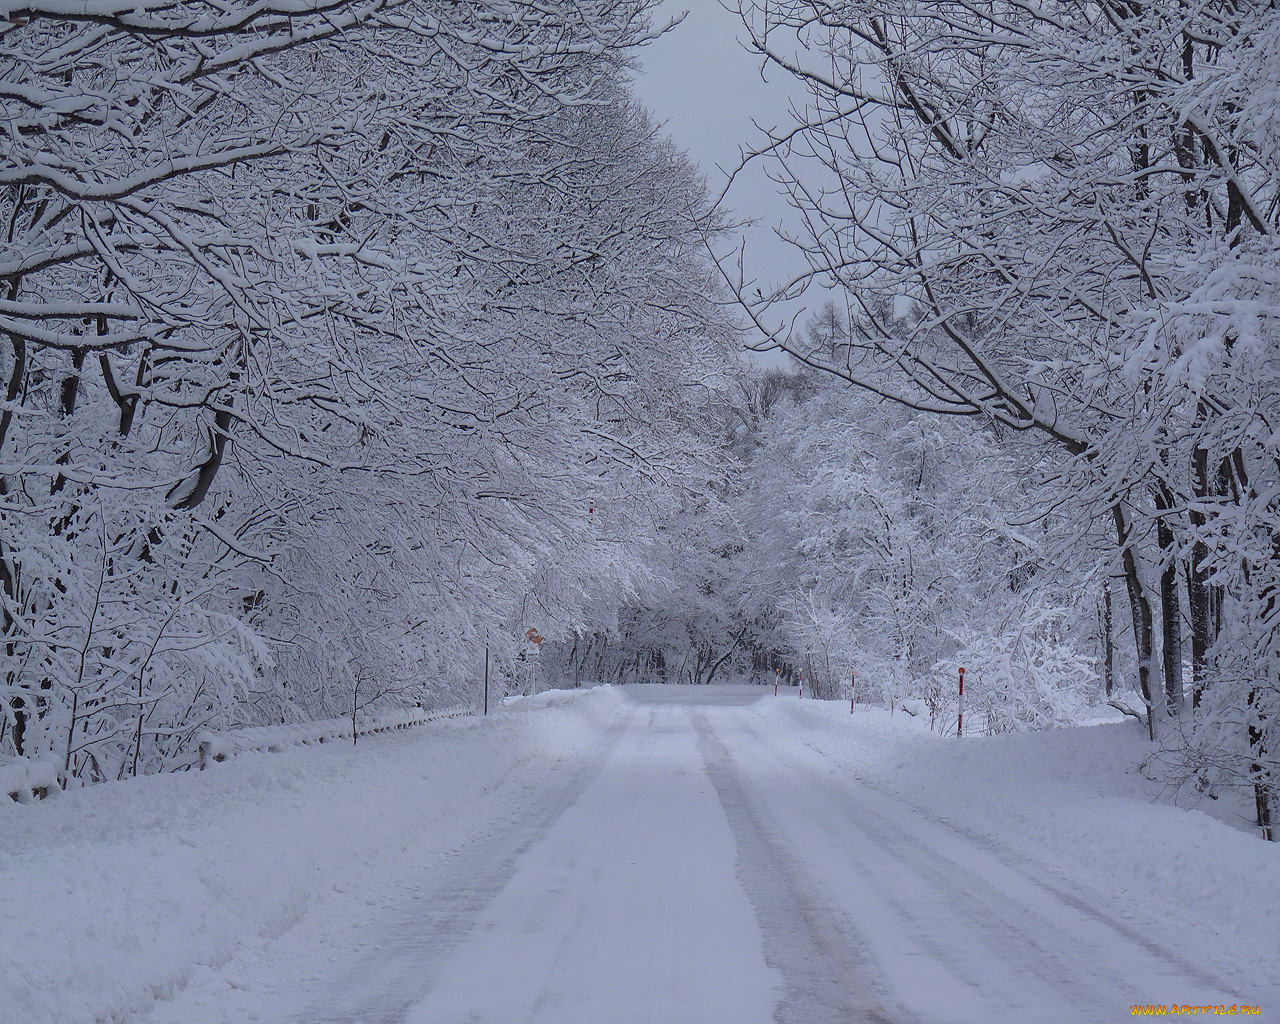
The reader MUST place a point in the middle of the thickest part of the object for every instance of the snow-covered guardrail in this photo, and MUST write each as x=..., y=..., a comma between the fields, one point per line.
x=219, y=746
x=24, y=780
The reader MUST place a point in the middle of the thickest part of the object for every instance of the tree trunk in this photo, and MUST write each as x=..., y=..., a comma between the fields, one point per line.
x=1203, y=599
x=1108, y=642
x=1170, y=622
x=1259, y=768
x=1140, y=609
x=1262, y=801
x=8, y=569
x=1199, y=601
x=1262, y=795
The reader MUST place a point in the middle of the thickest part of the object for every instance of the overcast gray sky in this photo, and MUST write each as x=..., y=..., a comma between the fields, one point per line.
x=708, y=90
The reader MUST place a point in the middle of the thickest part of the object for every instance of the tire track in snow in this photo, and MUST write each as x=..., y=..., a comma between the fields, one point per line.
x=1042, y=935
x=823, y=961
x=627, y=911
x=1028, y=869
x=380, y=987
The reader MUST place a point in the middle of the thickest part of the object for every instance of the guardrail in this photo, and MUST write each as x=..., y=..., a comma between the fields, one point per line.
x=219, y=746
x=24, y=781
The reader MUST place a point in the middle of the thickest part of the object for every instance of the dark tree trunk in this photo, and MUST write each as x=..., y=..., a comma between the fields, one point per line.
x=8, y=569
x=1170, y=622
x=1199, y=600
x=1262, y=801
x=1262, y=795
x=1204, y=600
x=1108, y=642
x=1259, y=768
x=219, y=434
x=1140, y=609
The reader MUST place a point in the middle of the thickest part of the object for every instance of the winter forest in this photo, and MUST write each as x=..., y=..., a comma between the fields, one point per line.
x=347, y=341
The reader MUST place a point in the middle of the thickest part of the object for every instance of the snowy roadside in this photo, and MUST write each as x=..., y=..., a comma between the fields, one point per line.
x=1073, y=802
x=118, y=895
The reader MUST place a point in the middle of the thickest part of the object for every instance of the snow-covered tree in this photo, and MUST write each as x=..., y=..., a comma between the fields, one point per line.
x=1062, y=220
x=327, y=322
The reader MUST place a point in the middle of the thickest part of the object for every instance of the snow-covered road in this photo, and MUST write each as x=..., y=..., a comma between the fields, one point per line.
x=876, y=914
x=702, y=868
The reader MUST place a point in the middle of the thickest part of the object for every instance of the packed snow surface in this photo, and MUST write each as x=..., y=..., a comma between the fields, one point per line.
x=645, y=854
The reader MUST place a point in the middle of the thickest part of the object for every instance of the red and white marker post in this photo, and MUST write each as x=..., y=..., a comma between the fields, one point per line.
x=960, y=714
x=853, y=689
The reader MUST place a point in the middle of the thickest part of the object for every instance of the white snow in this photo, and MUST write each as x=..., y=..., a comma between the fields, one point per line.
x=221, y=746
x=22, y=779
x=639, y=855
x=121, y=894
x=1031, y=877
x=625, y=910
x=1077, y=802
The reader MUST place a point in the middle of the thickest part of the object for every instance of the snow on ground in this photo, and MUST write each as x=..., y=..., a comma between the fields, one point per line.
x=121, y=894
x=661, y=855
x=1076, y=802
x=624, y=909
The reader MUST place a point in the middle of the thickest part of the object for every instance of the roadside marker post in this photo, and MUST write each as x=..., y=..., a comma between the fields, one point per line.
x=777, y=674
x=960, y=712
x=853, y=690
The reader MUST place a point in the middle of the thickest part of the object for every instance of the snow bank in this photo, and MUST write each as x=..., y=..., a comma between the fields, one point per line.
x=1076, y=802
x=117, y=894
x=219, y=746
x=23, y=780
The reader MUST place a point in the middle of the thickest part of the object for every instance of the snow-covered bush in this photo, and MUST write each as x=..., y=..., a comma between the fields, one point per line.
x=1028, y=680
